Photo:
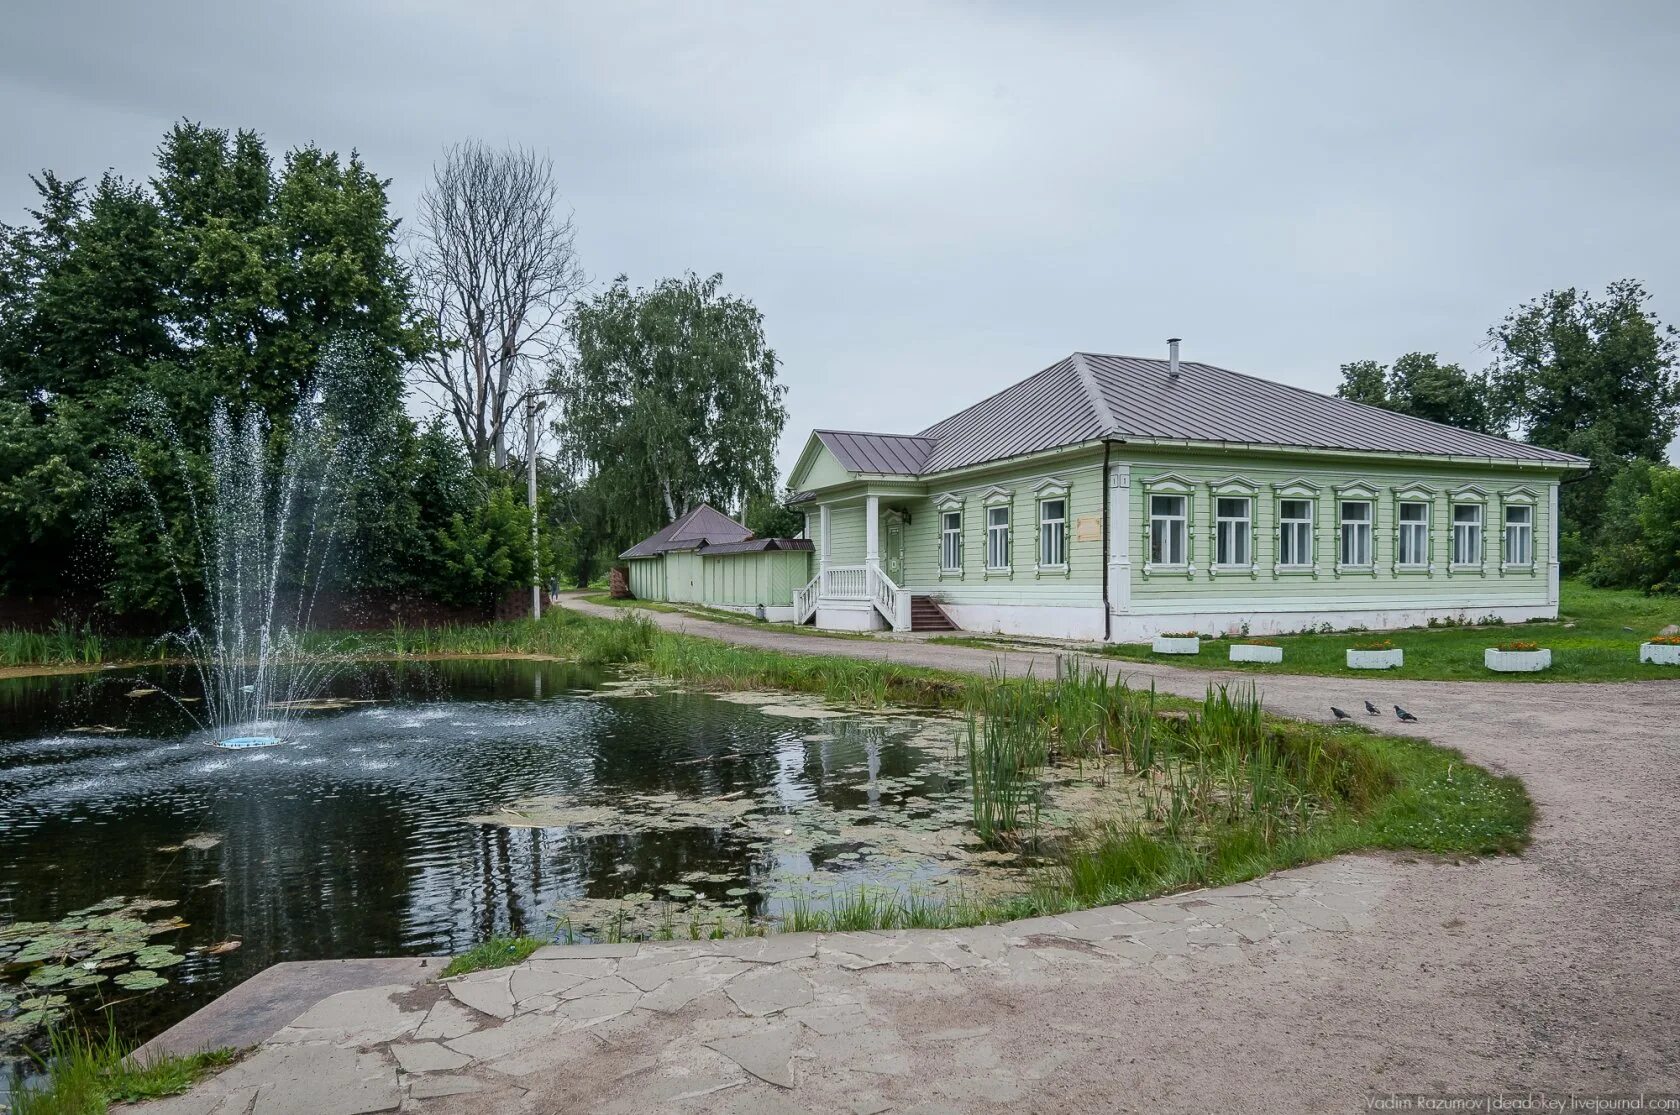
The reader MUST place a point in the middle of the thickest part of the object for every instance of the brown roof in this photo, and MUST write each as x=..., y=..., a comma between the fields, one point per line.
x=1089, y=396
x=690, y=531
x=756, y=545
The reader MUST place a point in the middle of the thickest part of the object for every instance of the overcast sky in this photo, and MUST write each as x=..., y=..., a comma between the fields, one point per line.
x=931, y=201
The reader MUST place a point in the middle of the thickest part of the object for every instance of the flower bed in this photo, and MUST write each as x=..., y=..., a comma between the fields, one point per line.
x=1661, y=650
x=1375, y=656
x=1178, y=642
x=1517, y=658
x=1256, y=650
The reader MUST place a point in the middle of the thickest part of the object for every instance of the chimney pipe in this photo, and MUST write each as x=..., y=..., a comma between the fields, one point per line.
x=1172, y=359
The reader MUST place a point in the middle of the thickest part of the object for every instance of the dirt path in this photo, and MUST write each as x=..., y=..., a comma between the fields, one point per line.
x=1558, y=970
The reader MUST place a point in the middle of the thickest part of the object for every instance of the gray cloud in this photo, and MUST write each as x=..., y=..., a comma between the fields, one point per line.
x=930, y=201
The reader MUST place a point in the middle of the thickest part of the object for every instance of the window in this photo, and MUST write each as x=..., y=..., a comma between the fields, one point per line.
x=1166, y=529
x=1052, y=532
x=1231, y=536
x=1356, y=532
x=1295, y=527
x=1519, y=535
x=1467, y=534
x=950, y=541
x=997, y=538
x=1414, y=534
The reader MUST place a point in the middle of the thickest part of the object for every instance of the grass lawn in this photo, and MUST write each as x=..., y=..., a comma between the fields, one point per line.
x=1596, y=639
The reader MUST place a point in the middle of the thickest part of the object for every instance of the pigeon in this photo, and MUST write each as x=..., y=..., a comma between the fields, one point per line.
x=1340, y=715
x=1372, y=709
x=1404, y=715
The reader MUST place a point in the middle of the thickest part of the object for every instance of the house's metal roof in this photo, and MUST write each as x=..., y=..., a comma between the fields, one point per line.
x=883, y=454
x=1089, y=396
x=1048, y=409
x=1213, y=404
x=691, y=530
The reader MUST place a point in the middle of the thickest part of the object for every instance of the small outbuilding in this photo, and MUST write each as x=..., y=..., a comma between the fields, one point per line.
x=705, y=557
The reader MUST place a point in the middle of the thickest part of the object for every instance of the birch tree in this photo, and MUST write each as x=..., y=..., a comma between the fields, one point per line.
x=671, y=399
x=495, y=270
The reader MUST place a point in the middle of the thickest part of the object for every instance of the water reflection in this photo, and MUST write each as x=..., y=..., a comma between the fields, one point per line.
x=351, y=838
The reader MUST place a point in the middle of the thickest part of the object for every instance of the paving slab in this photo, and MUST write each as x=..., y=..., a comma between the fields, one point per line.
x=766, y=1052
x=485, y=992
x=256, y=1009
x=769, y=991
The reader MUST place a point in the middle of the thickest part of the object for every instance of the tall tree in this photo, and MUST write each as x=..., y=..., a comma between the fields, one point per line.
x=496, y=272
x=223, y=277
x=1420, y=385
x=1589, y=375
x=671, y=400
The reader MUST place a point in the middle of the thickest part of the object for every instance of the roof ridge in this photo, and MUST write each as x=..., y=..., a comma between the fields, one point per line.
x=1094, y=394
x=869, y=433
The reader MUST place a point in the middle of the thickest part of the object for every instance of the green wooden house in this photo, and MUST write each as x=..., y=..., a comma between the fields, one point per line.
x=1113, y=497
x=705, y=557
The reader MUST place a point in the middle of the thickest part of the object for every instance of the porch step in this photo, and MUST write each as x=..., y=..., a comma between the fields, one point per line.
x=925, y=615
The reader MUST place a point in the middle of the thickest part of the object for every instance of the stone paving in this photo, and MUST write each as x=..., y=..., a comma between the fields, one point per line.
x=754, y=1017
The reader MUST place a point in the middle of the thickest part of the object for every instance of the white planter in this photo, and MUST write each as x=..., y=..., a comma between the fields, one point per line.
x=1165, y=644
x=1248, y=652
x=1516, y=661
x=1662, y=654
x=1376, y=659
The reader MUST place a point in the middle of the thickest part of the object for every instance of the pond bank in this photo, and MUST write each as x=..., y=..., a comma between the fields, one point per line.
x=1468, y=975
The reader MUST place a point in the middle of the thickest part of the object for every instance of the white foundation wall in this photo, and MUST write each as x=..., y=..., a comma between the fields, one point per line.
x=1275, y=621
x=859, y=616
x=1048, y=621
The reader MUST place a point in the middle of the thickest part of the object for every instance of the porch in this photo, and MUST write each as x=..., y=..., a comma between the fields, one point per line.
x=863, y=595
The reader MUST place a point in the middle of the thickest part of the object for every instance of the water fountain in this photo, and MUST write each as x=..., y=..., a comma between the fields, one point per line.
x=264, y=532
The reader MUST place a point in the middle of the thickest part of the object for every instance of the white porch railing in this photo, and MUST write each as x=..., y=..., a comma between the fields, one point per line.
x=805, y=599
x=890, y=600
x=856, y=582
x=845, y=582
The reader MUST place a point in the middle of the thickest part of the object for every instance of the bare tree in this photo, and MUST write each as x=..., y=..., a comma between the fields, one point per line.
x=495, y=268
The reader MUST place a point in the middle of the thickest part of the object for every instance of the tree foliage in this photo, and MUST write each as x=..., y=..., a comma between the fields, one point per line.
x=1420, y=385
x=670, y=400
x=768, y=516
x=223, y=277
x=1594, y=376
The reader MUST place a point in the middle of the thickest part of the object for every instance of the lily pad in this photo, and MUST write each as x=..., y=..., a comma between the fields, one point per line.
x=140, y=981
x=157, y=956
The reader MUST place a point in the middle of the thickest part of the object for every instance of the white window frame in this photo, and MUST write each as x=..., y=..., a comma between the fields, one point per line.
x=1237, y=530
x=1475, y=529
x=1174, y=486
x=950, y=541
x=1355, y=530
x=1287, y=524
x=1403, y=526
x=1526, y=532
x=994, y=532
x=1052, y=533
x=1181, y=535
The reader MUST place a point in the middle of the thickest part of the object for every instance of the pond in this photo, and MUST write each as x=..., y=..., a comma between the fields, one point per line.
x=429, y=806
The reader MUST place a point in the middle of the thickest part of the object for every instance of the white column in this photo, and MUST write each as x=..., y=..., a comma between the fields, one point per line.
x=825, y=546
x=1552, y=566
x=872, y=531
x=1119, y=538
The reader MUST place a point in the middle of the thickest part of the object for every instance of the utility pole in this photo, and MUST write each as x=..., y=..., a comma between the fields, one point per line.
x=531, y=411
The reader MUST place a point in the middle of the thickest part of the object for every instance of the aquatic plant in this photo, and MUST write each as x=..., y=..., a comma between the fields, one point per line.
x=46, y=963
